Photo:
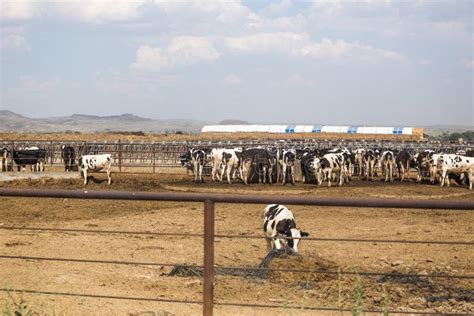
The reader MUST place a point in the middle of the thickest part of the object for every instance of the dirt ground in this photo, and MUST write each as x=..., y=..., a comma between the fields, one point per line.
x=278, y=288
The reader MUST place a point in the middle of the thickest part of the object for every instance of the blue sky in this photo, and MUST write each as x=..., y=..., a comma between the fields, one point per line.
x=377, y=62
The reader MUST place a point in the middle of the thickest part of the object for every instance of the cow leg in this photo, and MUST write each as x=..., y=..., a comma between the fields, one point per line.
x=196, y=172
x=443, y=178
x=213, y=173
x=471, y=179
x=109, y=176
x=292, y=169
x=277, y=243
x=283, y=171
x=200, y=172
x=229, y=169
x=84, y=173
x=269, y=244
x=329, y=177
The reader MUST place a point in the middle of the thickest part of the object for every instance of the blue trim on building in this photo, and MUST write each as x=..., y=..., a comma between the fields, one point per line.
x=290, y=129
x=317, y=129
x=352, y=129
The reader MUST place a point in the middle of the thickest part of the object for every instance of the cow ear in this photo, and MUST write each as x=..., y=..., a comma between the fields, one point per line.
x=304, y=234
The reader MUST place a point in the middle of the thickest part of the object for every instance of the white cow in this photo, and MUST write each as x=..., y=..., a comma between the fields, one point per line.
x=388, y=163
x=96, y=163
x=455, y=164
x=359, y=160
x=230, y=163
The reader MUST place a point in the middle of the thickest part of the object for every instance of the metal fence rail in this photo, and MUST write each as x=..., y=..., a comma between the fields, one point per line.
x=209, y=268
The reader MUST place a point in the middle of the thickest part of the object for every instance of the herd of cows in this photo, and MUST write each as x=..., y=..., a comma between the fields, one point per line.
x=277, y=165
x=36, y=158
x=274, y=165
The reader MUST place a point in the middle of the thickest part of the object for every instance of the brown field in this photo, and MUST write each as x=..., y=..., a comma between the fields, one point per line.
x=303, y=289
x=418, y=135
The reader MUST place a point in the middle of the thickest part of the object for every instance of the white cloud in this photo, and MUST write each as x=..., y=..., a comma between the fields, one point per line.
x=182, y=51
x=300, y=45
x=232, y=79
x=17, y=9
x=85, y=10
x=425, y=62
x=265, y=42
x=278, y=8
x=469, y=64
x=100, y=10
x=31, y=84
x=220, y=10
x=13, y=39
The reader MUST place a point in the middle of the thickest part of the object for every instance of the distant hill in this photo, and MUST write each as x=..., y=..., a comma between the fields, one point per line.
x=13, y=122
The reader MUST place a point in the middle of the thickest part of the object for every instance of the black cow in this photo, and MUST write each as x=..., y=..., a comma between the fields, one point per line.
x=402, y=159
x=32, y=157
x=69, y=156
x=256, y=162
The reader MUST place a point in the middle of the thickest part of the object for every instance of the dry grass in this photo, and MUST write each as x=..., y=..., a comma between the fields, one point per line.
x=417, y=135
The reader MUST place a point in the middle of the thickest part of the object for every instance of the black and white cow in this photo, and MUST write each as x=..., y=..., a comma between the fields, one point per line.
x=388, y=163
x=185, y=160
x=96, y=163
x=329, y=165
x=32, y=156
x=69, y=156
x=4, y=159
x=402, y=159
x=198, y=158
x=307, y=165
x=371, y=160
x=456, y=164
x=287, y=163
x=359, y=161
x=278, y=222
x=422, y=163
x=230, y=162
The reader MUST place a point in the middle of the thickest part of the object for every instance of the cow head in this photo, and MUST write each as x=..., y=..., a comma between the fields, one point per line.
x=185, y=159
x=296, y=234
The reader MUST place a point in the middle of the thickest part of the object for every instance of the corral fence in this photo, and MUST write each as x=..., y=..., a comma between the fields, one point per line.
x=163, y=157
x=209, y=235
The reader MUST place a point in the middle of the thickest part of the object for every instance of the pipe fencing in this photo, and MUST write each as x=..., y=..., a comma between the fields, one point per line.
x=153, y=157
x=208, y=267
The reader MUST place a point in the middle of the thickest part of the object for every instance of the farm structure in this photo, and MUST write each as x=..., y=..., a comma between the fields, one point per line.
x=300, y=274
x=164, y=157
x=321, y=131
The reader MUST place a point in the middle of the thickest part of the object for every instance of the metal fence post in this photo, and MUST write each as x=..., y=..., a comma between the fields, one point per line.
x=51, y=149
x=153, y=147
x=11, y=155
x=120, y=155
x=208, y=285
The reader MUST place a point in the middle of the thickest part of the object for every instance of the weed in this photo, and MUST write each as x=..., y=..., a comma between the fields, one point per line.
x=358, y=308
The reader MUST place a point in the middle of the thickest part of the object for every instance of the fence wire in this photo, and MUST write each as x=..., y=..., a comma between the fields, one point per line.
x=222, y=303
x=125, y=232
x=225, y=268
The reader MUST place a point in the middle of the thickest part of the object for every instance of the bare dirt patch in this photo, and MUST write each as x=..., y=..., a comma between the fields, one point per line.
x=278, y=288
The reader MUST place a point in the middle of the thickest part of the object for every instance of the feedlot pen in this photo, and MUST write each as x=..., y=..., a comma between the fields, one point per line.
x=163, y=157
x=82, y=252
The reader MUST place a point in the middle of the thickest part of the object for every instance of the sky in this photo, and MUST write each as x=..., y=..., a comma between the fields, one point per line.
x=366, y=62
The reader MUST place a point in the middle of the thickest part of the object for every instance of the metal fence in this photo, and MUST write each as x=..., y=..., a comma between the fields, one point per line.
x=163, y=157
x=208, y=267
